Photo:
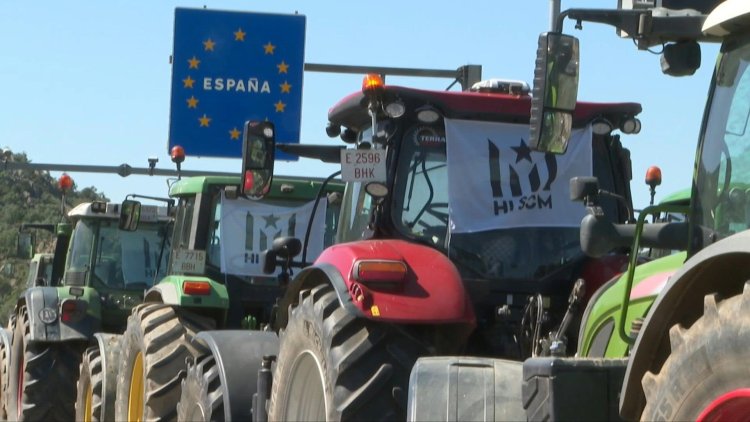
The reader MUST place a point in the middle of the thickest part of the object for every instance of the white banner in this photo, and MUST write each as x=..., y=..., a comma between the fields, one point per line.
x=496, y=181
x=249, y=227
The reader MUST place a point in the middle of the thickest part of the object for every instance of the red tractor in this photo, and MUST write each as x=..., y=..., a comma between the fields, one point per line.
x=454, y=237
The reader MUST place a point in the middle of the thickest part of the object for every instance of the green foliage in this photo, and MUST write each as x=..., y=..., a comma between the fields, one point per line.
x=29, y=196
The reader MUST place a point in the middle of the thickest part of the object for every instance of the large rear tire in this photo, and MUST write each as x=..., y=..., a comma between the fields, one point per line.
x=4, y=367
x=202, y=394
x=154, y=351
x=707, y=376
x=42, y=376
x=334, y=366
x=97, y=381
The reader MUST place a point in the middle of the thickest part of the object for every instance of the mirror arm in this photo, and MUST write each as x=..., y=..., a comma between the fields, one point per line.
x=625, y=20
x=168, y=201
x=321, y=191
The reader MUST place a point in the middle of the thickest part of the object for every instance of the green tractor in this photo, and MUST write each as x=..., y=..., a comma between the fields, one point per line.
x=74, y=296
x=215, y=281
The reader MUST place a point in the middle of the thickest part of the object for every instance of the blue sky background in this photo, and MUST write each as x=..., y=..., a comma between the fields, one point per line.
x=88, y=82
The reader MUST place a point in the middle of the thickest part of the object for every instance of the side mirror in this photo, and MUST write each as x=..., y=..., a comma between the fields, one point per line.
x=130, y=215
x=584, y=189
x=283, y=247
x=25, y=245
x=555, y=93
x=258, y=147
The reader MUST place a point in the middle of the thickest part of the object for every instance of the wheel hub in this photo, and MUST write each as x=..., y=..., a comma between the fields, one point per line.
x=731, y=406
x=137, y=390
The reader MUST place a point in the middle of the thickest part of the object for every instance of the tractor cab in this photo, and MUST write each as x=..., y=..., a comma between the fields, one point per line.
x=453, y=171
x=119, y=264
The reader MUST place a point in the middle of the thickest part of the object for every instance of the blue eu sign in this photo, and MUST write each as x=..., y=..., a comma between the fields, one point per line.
x=230, y=67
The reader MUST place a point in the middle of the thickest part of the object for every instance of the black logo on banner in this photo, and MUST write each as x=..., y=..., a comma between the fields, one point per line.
x=265, y=233
x=538, y=196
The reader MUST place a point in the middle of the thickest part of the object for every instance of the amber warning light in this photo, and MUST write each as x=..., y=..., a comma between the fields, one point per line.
x=65, y=182
x=372, y=82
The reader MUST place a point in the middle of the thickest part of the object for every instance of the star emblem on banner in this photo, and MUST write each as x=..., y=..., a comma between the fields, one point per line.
x=523, y=152
x=234, y=134
x=271, y=220
x=208, y=45
x=268, y=48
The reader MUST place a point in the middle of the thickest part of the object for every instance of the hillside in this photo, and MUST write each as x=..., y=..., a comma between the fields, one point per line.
x=28, y=196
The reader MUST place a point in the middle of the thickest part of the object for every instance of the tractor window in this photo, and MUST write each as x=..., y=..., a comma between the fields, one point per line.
x=723, y=182
x=356, y=210
x=130, y=259
x=81, y=245
x=213, y=249
x=422, y=178
x=183, y=221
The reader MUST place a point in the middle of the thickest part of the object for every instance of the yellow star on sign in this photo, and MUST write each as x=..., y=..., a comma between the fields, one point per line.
x=286, y=87
x=192, y=102
x=188, y=82
x=268, y=48
x=279, y=106
x=234, y=133
x=283, y=67
x=239, y=35
x=204, y=120
x=208, y=45
x=193, y=63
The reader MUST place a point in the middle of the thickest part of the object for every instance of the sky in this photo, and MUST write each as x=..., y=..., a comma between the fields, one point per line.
x=89, y=82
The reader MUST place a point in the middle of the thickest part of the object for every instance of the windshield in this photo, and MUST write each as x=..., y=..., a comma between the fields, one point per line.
x=723, y=177
x=121, y=259
x=421, y=204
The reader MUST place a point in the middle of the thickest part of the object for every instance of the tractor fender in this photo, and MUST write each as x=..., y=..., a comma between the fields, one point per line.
x=719, y=268
x=170, y=292
x=238, y=355
x=459, y=388
x=432, y=292
x=109, y=350
x=43, y=305
x=309, y=277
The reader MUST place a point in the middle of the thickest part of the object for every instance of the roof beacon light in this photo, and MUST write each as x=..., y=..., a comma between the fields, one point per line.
x=65, y=182
x=372, y=82
x=653, y=176
x=178, y=154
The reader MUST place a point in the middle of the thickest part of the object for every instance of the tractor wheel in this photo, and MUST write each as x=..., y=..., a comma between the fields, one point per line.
x=96, y=392
x=707, y=376
x=334, y=366
x=4, y=364
x=42, y=377
x=154, y=350
x=202, y=396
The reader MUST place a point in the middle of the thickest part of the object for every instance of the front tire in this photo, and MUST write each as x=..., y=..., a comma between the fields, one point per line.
x=4, y=367
x=707, y=376
x=96, y=383
x=42, y=376
x=202, y=394
x=334, y=366
x=154, y=350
